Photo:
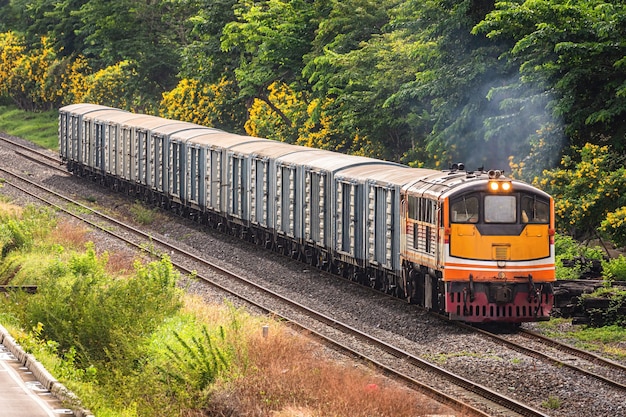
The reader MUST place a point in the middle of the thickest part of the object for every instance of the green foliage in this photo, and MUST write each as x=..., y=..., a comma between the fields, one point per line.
x=66, y=367
x=203, y=58
x=575, y=49
x=18, y=233
x=573, y=259
x=13, y=235
x=615, y=314
x=552, y=403
x=273, y=36
x=198, y=362
x=587, y=188
x=109, y=86
x=142, y=214
x=103, y=318
x=614, y=269
x=615, y=226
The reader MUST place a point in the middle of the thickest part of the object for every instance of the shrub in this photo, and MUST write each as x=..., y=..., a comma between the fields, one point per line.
x=141, y=214
x=573, y=259
x=105, y=319
x=614, y=269
x=614, y=314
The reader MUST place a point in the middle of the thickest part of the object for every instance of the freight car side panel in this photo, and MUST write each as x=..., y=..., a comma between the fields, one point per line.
x=382, y=225
x=421, y=233
x=259, y=171
x=286, y=191
x=315, y=200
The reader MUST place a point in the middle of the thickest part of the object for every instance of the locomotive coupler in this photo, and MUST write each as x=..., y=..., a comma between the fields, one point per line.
x=538, y=295
x=532, y=291
x=468, y=292
x=465, y=309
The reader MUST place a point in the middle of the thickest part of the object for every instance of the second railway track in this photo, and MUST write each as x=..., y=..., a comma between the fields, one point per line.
x=472, y=371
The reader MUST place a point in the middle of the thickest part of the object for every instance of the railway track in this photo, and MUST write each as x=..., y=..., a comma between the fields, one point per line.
x=538, y=346
x=463, y=395
x=372, y=350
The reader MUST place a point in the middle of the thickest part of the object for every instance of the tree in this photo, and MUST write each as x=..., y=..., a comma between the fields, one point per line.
x=204, y=104
x=573, y=52
x=32, y=78
x=355, y=66
x=449, y=96
x=272, y=37
x=203, y=57
x=205, y=64
x=147, y=36
x=588, y=192
x=52, y=18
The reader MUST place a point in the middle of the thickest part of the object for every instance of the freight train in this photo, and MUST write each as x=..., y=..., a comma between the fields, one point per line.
x=475, y=245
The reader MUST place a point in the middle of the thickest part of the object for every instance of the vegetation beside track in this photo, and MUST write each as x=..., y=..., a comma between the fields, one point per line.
x=608, y=341
x=40, y=128
x=112, y=325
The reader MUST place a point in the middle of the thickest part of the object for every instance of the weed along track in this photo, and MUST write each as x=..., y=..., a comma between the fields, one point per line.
x=468, y=371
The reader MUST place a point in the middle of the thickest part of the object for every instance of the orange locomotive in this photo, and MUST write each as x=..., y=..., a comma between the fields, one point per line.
x=492, y=255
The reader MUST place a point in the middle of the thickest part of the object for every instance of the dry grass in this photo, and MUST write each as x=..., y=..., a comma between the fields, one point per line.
x=75, y=236
x=10, y=210
x=120, y=263
x=69, y=235
x=287, y=375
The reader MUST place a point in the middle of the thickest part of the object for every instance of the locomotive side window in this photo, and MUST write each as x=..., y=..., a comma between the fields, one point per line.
x=422, y=209
x=534, y=210
x=500, y=209
x=423, y=212
x=465, y=210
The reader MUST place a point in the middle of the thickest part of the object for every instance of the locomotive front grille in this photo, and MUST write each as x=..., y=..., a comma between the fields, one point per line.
x=501, y=252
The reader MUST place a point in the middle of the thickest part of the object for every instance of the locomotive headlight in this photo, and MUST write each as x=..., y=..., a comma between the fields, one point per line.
x=504, y=186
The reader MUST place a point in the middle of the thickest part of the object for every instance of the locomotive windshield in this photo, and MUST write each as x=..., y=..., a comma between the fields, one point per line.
x=502, y=209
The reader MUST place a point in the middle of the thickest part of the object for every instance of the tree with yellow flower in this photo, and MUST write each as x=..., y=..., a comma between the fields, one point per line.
x=589, y=193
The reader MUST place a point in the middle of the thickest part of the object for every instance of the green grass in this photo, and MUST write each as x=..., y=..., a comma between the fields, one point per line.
x=607, y=340
x=40, y=128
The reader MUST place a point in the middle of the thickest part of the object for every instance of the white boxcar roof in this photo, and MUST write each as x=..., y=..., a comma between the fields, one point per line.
x=223, y=140
x=324, y=160
x=175, y=127
x=84, y=108
x=112, y=116
x=268, y=149
x=383, y=174
x=149, y=122
x=188, y=135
